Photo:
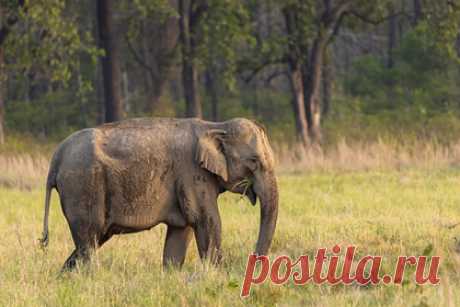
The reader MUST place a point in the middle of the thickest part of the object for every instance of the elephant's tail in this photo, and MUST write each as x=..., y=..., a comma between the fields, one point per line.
x=50, y=184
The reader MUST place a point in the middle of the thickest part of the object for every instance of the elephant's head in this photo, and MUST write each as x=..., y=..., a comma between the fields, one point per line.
x=238, y=152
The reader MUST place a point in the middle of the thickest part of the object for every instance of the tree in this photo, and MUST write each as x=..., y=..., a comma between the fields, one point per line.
x=328, y=22
x=11, y=19
x=295, y=31
x=211, y=34
x=110, y=61
x=39, y=39
x=417, y=4
x=392, y=30
x=152, y=39
x=2, y=104
x=311, y=26
x=212, y=90
x=225, y=33
x=323, y=19
x=191, y=11
x=327, y=83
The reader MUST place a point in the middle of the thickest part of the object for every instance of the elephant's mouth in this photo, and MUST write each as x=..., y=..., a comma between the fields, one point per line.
x=251, y=195
x=246, y=188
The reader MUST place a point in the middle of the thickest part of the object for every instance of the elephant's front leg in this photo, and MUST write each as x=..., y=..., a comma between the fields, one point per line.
x=176, y=243
x=198, y=201
x=208, y=230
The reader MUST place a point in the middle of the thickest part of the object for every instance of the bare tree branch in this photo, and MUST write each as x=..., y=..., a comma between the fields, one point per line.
x=275, y=75
x=336, y=28
x=257, y=69
x=138, y=58
x=378, y=21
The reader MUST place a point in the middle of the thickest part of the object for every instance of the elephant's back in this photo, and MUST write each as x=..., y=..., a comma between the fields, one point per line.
x=146, y=143
x=73, y=160
x=142, y=139
x=77, y=150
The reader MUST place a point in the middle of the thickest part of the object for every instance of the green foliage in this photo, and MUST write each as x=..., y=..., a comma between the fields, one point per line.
x=47, y=40
x=51, y=48
x=156, y=8
x=137, y=12
x=56, y=114
x=443, y=20
x=50, y=59
x=423, y=79
x=403, y=125
x=225, y=31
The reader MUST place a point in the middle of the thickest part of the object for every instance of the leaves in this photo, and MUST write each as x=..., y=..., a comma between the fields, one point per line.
x=225, y=31
x=48, y=41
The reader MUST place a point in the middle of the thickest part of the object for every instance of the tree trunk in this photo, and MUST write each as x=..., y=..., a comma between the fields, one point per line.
x=392, y=30
x=147, y=75
x=417, y=12
x=155, y=94
x=110, y=62
x=158, y=57
x=211, y=88
x=188, y=31
x=312, y=66
x=190, y=84
x=312, y=89
x=155, y=97
x=392, y=37
x=2, y=104
x=4, y=31
x=327, y=82
x=295, y=78
x=100, y=118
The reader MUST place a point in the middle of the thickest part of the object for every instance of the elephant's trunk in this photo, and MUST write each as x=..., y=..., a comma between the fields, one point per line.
x=267, y=190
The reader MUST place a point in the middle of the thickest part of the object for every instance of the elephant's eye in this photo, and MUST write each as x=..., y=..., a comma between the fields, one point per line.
x=253, y=163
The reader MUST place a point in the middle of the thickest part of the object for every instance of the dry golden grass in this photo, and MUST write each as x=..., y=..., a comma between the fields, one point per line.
x=28, y=171
x=23, y=171
x=364, y=156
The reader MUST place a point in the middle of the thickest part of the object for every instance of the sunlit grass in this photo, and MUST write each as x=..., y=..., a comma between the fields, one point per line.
x=387, y=213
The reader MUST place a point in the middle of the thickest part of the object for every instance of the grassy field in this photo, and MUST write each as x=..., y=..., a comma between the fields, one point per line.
x=387, y=213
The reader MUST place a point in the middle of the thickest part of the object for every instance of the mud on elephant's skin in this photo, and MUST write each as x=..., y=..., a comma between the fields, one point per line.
x=132, y=175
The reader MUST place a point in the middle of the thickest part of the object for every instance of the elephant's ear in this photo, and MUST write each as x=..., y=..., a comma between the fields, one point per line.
x=209, y=154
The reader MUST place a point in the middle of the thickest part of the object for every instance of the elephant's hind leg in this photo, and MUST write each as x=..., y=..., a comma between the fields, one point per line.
x=86, y=241
x=83, y=203
x=176, y=243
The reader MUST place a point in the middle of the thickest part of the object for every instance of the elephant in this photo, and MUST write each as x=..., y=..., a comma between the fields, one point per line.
x=132, y=175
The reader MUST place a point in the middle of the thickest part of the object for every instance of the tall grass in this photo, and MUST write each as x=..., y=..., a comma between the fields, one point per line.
x=23, y=171
x=364, y=156
x=28, y=170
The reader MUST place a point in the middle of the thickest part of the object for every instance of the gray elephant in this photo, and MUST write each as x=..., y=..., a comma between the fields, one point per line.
x=131, y=175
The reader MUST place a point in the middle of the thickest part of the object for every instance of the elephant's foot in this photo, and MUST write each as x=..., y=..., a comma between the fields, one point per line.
x=78, y=255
